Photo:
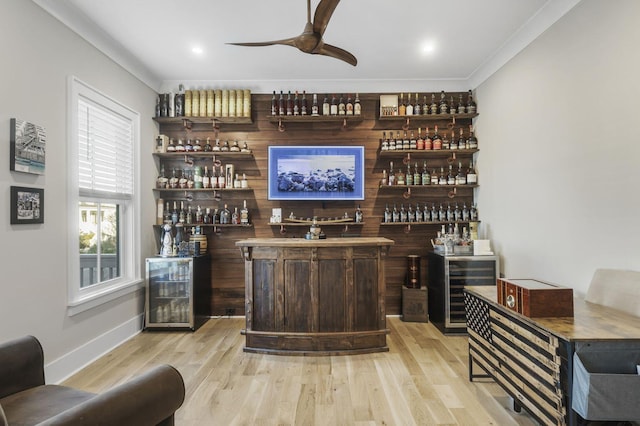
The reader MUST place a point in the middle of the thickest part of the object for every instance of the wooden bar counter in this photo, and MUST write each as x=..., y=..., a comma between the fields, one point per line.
x=318, y=297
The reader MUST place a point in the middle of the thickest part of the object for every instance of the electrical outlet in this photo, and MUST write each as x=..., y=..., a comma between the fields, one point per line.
x=230, y=311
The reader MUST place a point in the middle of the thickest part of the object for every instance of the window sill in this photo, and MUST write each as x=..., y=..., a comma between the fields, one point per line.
x=96, y=299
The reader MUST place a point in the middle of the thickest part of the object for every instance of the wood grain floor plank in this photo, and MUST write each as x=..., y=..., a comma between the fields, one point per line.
x=422, y=380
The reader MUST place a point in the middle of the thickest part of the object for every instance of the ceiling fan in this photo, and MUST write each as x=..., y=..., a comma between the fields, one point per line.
x=310, y=41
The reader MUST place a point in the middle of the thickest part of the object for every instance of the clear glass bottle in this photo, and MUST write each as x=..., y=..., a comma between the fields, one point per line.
x=417, y=108
x=334, y=105
x=395, y=214
x=274, y=104
x=472, y=176
x=162, y=181
x=357, y=108
x=451, y=178
x=402, y=107
x=413, y=143
x=326, y=107
x=225, y=216
x=442, y=178
x=472, y=141
x=235, y=216
x=461, y=105
x=433, y=108
x=409, y=176
x=303, y=104
x=403, y=214
x=358, y=217
x=406, y=142
x=387, y=214
x=244, y=214
x=443, y=107
x=409, y=108
x=461, y=177
x=392, y=175
x=314, y=106
x=400, y=178
x=281, y=104
x=426, y=178
x=417, y=176
x=471, y=104
x=296, y=104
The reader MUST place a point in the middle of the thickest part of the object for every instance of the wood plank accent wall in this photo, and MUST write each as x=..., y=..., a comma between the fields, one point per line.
x=227, y=267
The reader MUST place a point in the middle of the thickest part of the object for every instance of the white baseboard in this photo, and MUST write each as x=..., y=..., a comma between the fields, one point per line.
x=60, y=369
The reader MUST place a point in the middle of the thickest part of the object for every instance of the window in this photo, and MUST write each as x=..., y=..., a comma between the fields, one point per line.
x=104, y=237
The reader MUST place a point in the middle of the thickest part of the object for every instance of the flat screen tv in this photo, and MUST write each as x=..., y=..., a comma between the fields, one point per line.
x=316, y=173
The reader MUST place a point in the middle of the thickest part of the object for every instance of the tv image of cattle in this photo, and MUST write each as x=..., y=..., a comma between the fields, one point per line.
x=323, y=173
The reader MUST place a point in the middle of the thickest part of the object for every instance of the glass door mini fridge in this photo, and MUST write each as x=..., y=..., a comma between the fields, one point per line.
x=176, y=292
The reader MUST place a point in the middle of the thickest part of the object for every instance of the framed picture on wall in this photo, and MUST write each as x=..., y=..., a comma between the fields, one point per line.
x=27, y=205
x=27, y=142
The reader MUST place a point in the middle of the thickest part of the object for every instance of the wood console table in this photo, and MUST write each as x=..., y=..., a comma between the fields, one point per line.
x=315, y=296
x=532, y=358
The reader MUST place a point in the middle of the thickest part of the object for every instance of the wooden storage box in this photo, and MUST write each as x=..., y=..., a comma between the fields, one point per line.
x=535, y=299
x=414, y=304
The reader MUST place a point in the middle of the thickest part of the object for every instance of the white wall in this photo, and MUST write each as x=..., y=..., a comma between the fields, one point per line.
x=38, y=54
x=559, y=153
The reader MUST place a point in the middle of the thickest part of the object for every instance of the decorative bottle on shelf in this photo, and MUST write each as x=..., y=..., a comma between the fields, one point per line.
x=461, y=105
x=180, y=147
x=471, y=104
x=349, y=105
x=443, y=107
x=244, y=213
x=314, y=106
x=281, y=104
x=433, y=108
x=428, y=142
x=178, y=102
x=296, y=104
x=417, y=177
x=358, y=218
x=409, y=107
x=357, y=108
x=326, y=107
x=425, y=105
x=420, y=140
x=461, y=177
x=472, y=177
x=341, y=106
x=413, y=143
x=392, y=176
x=453, y=108
x=402, y=107
x=400, y=178
x=289, y=104
x=417, y=108
x=235, y=216
x=225, y=216
x=303, y=104
x=409, y=176
x=406, y=142
x=472, y=141
x=437, y=140
x=395, y=214
x=274, y=104
x=435, y=179
x=162, y=181
x=426, y=178
x=384, y=143
x=387, y=214
x=333, y=109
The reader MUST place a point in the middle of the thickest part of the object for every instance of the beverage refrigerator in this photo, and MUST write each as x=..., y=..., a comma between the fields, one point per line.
x=177, y=292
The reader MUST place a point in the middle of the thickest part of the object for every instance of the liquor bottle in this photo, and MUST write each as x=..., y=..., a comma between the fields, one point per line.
x=395, y=214
x=174, y=214
x=434, y=213
x=357, y=108
x=281, y=104
x=187, y=103
x=462, y=143
x=188, y=147
x=409, y=176
x=417, y=109
x=206, y=179
x=433, y=108
x=387, y=214
x=384, y=143
x=274, y=104
x=198, y=178
x=244, y=183
x=457, y=214
x=437, y=141
x=225, y=216
x=173, y=180
x=461, y=105
x=199, y=215
x=471, y=104
x=411, y=216
x=296, y=104
x=472, y=177
x=402, y=107
x=216, y=146
x=235, y=147
x=171, y=147
x=442, y=178
x=326, y=108
x=341, y=106
x=206, y=217
x=445, y=142
x=333, y=109
x=461, y=178
x=182, y=213
x=473, y=214
x=358, y=218
x=425, y=105
x=406, y=143
x=289, y=104
x=451, y=178
x=435, y=179
x=418, y=213
x=449, y=213
x=222, y=180
x=178, y=102
x=303, y=103
x=409, y=108
x=167, y=214
x=417, y=177
x=413, y=144
x=349, y=105
x=244, y=213
x=216, y=216
x=392, y=176
x=314, y=106
x=162, y=181
x=465, y=212
x=197, y=147
x=385, y=179
x=473, y=141
x=428, y=142
x=453, y=143
x=443, y=107
x=420, y=140
x=180, y=146
x=400, y=178
x=392, y=142
x=426, y=178
x=453, y=108
x=235, y=216
x=442, y=216
x=403, y=214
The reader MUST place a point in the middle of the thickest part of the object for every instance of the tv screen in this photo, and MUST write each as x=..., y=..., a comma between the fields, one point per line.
x=316, y=173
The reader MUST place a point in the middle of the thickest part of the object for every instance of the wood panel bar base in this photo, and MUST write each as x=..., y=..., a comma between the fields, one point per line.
x=315, y=297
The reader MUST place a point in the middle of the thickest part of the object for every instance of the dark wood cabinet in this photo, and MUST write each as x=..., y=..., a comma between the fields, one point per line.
x=315, y=296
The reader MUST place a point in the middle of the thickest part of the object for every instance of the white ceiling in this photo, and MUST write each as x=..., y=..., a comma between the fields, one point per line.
x=153, y=39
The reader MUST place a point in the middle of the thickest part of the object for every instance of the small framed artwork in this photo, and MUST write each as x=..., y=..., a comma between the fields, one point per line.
x=27, y=205
x=27, y=143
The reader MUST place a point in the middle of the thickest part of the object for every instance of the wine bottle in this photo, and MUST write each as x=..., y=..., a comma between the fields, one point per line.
x=281, y=104
x=314, y=106
x=289, y=104
x=274, y=104
x=349, y=105
x=357, y=108
x=296, y=104
x=303, y=103
x=341, y=106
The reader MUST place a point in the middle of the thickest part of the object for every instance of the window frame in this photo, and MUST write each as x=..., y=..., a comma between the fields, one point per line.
x=130, y=279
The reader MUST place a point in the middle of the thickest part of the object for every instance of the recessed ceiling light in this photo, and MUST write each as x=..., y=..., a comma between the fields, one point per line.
x=428, y=47
x=197, y=50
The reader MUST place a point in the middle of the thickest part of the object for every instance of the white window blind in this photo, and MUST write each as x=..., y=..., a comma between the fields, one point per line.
x=105, y=152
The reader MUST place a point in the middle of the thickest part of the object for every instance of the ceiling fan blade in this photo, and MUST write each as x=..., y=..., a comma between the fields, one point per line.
x=286, y=42
x=336, y=52
x=323, y=14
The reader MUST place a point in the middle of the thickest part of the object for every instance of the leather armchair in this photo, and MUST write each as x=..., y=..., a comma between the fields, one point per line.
x=149, y=399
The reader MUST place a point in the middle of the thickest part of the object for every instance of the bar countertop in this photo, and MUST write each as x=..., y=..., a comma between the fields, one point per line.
x=302, y=242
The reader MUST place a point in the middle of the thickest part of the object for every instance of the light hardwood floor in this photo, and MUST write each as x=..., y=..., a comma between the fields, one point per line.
x=422, y=380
